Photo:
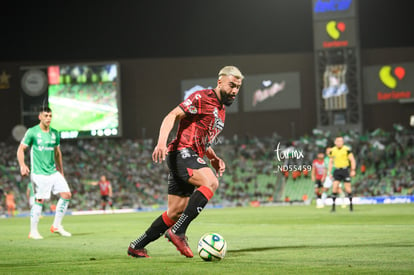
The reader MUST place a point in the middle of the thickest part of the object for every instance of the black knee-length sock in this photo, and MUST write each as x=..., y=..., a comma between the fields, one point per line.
x=196, y=204
x=157, y=228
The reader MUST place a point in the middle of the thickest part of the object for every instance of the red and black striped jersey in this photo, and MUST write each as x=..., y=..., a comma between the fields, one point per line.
x=104, y=187
x=320, y=168
x=203, y=122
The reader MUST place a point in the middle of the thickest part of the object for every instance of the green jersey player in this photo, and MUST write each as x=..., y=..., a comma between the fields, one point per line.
x=46, y=172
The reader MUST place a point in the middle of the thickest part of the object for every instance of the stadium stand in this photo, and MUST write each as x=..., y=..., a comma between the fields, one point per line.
x=252, y=173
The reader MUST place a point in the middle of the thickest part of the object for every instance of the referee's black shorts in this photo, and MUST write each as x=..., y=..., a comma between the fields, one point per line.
x=342, y=174
x=181, y=164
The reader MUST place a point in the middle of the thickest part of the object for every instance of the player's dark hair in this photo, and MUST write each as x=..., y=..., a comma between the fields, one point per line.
x=45, y=109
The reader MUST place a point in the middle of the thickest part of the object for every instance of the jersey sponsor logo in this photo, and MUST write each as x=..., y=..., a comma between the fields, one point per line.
x=218, y=123
x=45, y=148
x=215, y=129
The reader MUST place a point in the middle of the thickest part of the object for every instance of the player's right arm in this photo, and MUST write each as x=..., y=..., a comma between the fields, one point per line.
x=94, y=183
x=24, y=170
x=58, y=159
x=167, y=124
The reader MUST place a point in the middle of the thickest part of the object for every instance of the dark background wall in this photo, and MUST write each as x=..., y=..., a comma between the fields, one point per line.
x=78, y=29
x=156, y=90
x=159, y=43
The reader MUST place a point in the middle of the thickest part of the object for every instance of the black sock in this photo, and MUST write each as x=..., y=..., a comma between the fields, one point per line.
x=350, y=200
x=156, y=230
x=195, y=206
x=333, y=199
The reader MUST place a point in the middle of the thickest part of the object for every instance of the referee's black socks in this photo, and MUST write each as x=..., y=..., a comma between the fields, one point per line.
x=351, y=208
x=333, y=200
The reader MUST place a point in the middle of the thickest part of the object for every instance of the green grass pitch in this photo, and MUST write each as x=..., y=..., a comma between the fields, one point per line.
x=374, y=239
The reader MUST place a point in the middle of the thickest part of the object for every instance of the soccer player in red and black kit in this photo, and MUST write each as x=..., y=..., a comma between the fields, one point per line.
x=191, y=182
x=318, y=177
x=106, y=192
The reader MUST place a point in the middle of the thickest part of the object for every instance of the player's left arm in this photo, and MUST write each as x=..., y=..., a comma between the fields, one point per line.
x=353, y=164
x=58, y=159
x=217, y=163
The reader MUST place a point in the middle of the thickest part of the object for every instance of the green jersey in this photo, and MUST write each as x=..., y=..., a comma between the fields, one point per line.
x=42, y=152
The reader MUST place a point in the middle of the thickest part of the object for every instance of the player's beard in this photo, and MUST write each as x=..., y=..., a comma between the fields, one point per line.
x=46, y=124
x=226, y=99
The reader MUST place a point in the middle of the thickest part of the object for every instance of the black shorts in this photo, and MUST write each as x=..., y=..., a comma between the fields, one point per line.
x=342, y=174
x=105, y=198
x=181, y=164
x=318, y=184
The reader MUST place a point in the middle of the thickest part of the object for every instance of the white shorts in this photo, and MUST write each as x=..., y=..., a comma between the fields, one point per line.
x=45, y=184
x=328, y=182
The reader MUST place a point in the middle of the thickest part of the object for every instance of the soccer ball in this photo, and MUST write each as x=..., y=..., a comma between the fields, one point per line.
x=212, y=247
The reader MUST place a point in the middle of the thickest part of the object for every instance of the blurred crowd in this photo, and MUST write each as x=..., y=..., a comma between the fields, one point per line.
x=385, y=162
